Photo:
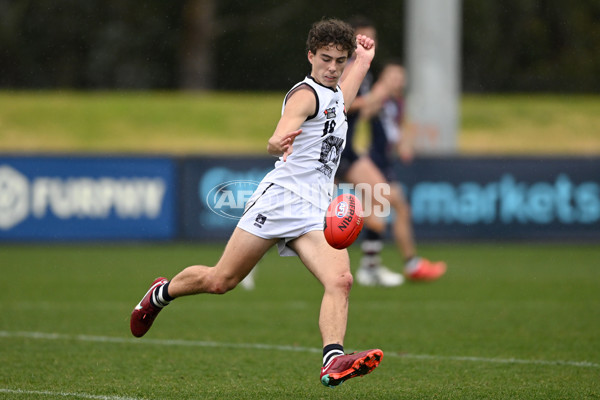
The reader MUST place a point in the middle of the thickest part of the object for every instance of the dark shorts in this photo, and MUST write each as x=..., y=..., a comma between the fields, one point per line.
x=379, y=150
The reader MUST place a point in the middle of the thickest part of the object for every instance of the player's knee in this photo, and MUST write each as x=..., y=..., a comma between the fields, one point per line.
x=376, y=224
x=224, y=285
x=348, y=281
x=343, y=282
x=220, y=284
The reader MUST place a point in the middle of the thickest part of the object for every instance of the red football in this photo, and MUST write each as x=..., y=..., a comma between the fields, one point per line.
x=343, y=221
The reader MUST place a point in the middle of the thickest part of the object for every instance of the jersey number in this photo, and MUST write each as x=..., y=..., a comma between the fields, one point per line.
x=329, y=126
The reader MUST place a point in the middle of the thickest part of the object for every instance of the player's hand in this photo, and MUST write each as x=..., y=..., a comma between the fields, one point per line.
x=287, y=143
x=365, y=48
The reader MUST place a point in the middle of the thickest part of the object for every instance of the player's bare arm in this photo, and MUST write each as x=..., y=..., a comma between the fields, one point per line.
x=365, y=51
x=359, y=101
x=373, y=102
x=300, y=105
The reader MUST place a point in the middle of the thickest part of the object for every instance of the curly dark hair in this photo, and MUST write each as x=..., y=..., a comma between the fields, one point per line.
x=331, y=32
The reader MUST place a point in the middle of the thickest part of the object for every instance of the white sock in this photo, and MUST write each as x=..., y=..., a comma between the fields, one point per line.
x=158, y=297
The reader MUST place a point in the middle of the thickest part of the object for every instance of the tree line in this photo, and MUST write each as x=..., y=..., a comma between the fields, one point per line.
x=508, y=46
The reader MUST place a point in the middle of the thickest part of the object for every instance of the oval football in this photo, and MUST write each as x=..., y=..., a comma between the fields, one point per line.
x=343, y=221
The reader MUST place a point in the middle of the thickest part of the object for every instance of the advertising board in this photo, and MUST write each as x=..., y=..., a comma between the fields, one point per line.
x=86, y=198
x=452, y=198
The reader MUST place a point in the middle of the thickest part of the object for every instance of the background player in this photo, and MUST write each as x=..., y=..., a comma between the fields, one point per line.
x=380, y=103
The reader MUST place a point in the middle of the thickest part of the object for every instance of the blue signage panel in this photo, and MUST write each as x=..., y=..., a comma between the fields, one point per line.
x=87, y=198
x=215, y=191
x=467, y=198
x=504, y=198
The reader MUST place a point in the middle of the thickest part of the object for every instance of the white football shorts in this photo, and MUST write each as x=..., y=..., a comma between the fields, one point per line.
x=274, y=212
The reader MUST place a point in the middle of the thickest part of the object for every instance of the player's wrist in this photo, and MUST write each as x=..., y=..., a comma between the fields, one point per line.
x=363, y=63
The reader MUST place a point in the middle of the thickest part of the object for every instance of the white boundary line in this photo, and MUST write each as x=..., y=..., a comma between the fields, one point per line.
x=66, y=394
x=260, y=346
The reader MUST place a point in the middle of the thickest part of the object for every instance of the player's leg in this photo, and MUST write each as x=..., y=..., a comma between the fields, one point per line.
x=241, y=254
x=243, y=251
x=402, y=224
x=415, y=268
x=332, y=268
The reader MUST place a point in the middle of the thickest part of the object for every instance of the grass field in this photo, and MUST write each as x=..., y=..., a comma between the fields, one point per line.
x=224, y=123
x=508, y=321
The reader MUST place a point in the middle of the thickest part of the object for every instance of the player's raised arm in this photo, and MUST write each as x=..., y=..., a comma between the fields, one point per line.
x=365, y=51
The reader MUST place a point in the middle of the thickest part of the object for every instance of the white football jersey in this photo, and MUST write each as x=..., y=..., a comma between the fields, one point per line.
x=310, y=170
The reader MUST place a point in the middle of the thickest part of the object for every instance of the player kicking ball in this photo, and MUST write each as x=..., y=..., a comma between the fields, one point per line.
x=288, y=206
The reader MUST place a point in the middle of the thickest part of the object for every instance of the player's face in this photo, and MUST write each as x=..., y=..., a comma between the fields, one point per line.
x=327, y=65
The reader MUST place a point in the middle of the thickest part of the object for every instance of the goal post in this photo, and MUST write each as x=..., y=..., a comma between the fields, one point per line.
x=433, y=31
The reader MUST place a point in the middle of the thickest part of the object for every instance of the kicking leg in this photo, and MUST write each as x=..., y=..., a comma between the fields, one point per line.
x=243, y=251
x=241, y=254
x=332, y=268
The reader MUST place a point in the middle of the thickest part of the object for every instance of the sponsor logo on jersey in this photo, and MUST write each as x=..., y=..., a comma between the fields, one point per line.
x=330, y=113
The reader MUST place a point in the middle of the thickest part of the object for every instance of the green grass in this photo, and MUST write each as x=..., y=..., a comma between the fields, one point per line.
x=225, y=123
x=530, y=124
x=508, y=321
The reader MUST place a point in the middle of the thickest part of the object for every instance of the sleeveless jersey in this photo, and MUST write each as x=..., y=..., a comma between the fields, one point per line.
x=310, y=170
